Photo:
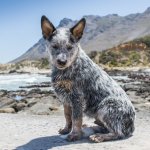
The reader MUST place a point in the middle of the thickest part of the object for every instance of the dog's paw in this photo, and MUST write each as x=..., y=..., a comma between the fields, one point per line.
x=74, y=136
x=64, y=131
x=96, y=138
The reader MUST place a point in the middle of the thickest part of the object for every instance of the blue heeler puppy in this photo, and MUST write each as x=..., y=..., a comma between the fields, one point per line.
x=84, y=87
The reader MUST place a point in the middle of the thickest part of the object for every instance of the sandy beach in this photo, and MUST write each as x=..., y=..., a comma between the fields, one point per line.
x=29, y=132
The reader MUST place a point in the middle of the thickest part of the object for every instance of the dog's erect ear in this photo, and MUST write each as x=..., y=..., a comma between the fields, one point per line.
x=47, y=27
x=78, y=29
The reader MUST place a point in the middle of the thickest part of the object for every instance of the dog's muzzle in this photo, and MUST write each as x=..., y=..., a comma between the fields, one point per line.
x=61, y=62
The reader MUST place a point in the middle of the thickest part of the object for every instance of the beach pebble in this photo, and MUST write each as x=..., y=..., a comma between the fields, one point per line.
x=7, y=110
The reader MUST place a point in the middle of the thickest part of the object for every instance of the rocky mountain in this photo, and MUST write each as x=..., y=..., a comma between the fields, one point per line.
x=101, y=32
x=37, y=51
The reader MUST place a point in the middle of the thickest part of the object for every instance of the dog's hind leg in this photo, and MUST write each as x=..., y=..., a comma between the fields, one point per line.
x=103, y=134
x=101, y=125
x=98, y=137
x=116, y=118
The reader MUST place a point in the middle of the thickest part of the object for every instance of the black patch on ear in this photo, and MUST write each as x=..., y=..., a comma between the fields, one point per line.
x=72, y=39
x=47, y=27
x=77, y=30
x=50, y=37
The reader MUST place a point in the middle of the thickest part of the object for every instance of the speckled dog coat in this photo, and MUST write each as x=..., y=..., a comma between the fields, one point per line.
x=84, y=87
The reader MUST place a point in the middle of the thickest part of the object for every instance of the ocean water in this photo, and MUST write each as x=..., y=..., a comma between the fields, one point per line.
x=14, y=81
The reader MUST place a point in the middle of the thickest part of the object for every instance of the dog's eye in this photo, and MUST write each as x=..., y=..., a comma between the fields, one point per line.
x=55, y=46
x=69, y=47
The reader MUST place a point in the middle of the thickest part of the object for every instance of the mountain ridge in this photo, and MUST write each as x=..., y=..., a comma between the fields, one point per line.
x=101, y=32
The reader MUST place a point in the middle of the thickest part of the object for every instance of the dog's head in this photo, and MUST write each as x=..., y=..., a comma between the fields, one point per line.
x=62, y=43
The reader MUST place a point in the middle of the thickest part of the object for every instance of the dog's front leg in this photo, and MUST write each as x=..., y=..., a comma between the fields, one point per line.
x=76, y=131
x=68, y=115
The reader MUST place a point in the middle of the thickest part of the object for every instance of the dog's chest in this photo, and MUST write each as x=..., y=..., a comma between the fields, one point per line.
x=62, y=87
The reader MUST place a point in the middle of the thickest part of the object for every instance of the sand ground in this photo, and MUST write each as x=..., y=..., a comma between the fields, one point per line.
x=28, y=132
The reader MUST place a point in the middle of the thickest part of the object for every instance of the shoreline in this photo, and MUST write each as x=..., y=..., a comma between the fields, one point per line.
x=34, y=70
x=29, y=97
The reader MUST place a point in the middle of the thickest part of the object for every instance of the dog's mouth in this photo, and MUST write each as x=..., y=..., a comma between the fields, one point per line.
x=61, y=67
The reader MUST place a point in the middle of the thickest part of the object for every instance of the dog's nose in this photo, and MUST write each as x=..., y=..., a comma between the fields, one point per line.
x=61, y=62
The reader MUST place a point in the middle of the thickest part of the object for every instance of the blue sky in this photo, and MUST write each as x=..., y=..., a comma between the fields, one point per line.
x=20, y=19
